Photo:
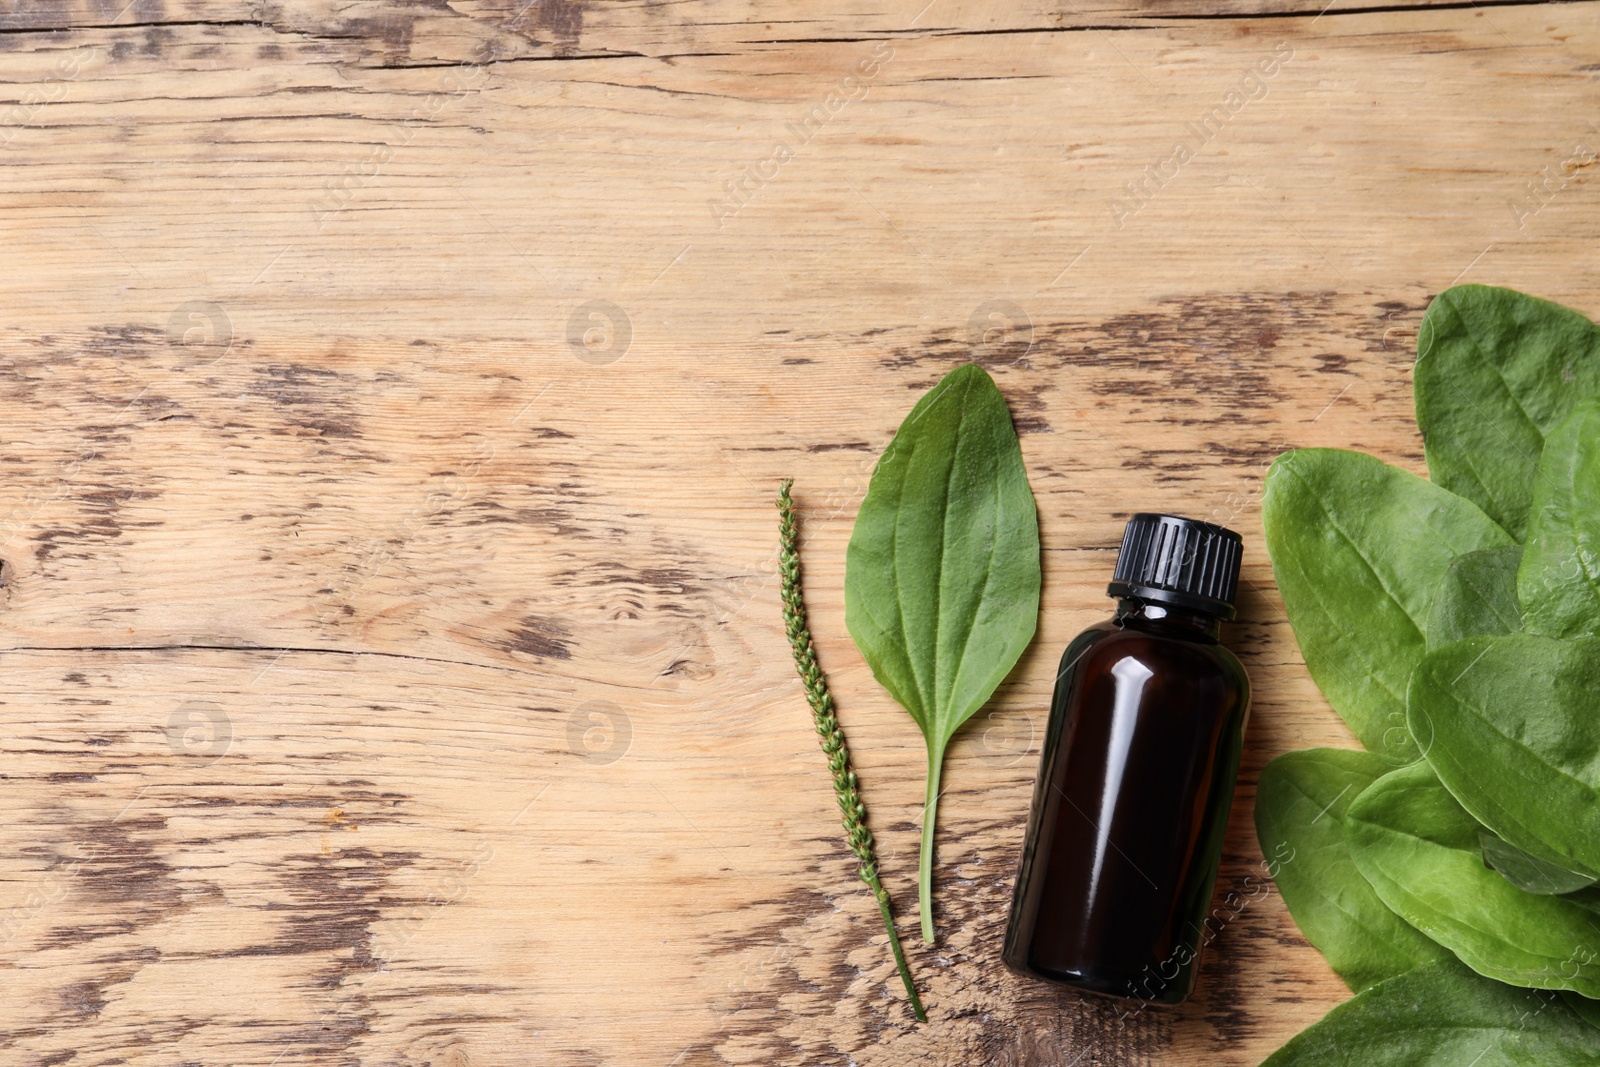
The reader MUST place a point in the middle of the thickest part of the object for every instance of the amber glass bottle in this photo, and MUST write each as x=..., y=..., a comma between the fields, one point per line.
x=1137, y=775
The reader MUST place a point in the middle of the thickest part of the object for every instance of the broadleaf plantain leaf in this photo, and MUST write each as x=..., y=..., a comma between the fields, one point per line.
x=942, y=573
x=1496, y=371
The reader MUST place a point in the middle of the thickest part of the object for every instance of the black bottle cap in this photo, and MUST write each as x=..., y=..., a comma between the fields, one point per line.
x=1183, y=562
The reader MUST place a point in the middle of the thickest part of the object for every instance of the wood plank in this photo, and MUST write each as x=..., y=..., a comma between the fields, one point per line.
x=262, y=191
x=336, y=559
x=416, y=32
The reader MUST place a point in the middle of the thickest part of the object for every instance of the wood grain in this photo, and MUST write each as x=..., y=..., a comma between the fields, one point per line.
x=394, y=398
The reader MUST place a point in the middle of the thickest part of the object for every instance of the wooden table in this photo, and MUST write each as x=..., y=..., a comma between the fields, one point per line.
x=394, y=395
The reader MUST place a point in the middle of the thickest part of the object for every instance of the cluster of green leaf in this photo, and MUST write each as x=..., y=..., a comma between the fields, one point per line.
x=1449, y=872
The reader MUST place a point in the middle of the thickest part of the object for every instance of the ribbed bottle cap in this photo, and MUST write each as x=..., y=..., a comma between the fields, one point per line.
x=1178, y=561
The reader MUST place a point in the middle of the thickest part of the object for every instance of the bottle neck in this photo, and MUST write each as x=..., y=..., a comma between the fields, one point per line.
x=1147, y=615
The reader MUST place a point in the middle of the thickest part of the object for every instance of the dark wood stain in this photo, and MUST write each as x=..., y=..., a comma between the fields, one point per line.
x=1332, y=363
x=1215, y=355
x=562, y=20
x=559, y=521
x=310, y=398
x=124, y=866
x=541, y=637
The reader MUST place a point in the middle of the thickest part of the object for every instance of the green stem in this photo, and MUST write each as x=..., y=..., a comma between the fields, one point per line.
x=930, y=816
x=846, y=787
x=882, y=896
